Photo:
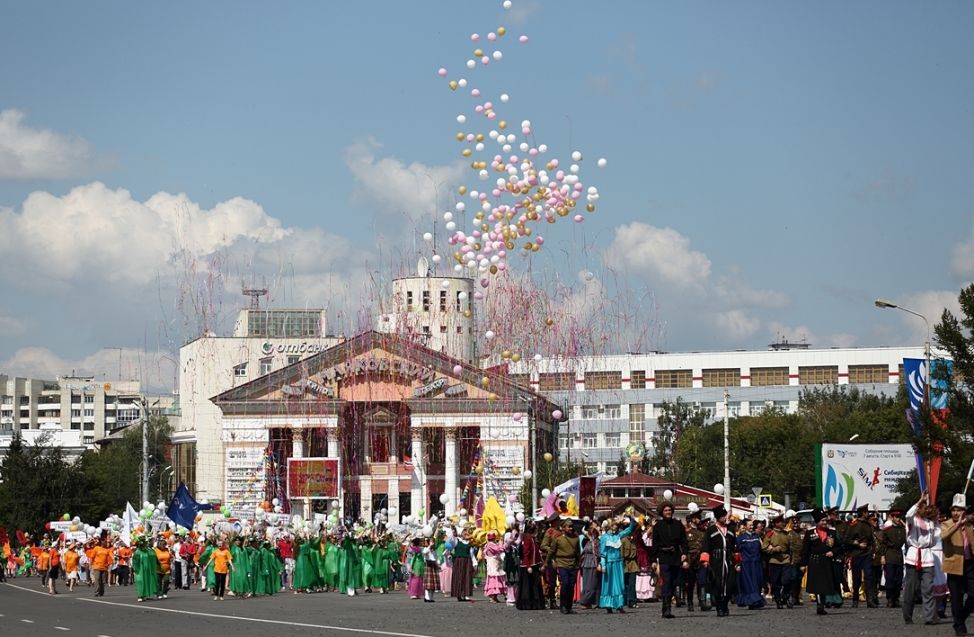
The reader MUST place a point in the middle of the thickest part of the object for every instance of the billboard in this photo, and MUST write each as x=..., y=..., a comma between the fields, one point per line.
x=849, y=476
x=314, y=478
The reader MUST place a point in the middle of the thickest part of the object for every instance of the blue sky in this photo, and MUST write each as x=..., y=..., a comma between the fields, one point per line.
x=772, y=166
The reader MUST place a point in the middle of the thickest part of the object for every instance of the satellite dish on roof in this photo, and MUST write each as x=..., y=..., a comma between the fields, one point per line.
x=423, y=267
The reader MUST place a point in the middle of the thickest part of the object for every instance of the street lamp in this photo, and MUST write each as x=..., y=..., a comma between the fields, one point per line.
x=887, y=304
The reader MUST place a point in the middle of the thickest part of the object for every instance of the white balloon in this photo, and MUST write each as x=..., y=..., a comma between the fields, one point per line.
x=444, y=498
x=505, y=97
x=519, y=517
x=667, y=495
x=461, y=119
x=527, y=474
x=427, y=236
x=537, y=358
x=719, y=489
x=603, y=162
x=545, y=493
x=693, y=507
x=463, y=512
x=471, y=64
x=510, y=520
x=497, y=55
x=275, y=501
x=489, y=334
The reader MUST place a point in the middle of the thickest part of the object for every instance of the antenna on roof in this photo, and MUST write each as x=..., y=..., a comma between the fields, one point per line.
x=254, y=294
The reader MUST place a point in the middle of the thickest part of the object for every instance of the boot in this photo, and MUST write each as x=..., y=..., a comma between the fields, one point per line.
x=679, y=596
x=705, y=605
x=777, y=601
x=667, y=613
x=690, y=600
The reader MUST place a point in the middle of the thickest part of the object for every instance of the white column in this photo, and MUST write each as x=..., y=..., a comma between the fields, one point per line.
x=417, y=493
x=365, y=489
x=393, y=492
x=450, y=469
x=297, y=451
x=333, y=443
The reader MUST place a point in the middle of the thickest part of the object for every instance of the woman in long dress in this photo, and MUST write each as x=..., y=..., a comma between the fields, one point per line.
x=817, y=554
x=239, y=584
x=512, y=565
x=529, y=596
x=417, y=568
x=444, y=554
x=496, y=584
x=144, y=564
x=461, y=586
x=613, y=594
x=591, y=580
x=751, y=579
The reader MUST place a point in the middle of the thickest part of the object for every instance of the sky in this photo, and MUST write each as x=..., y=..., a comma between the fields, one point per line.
x=771, y=167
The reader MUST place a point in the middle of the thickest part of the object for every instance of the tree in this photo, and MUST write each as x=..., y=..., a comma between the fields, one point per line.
x=675, y=419
x=39, y=485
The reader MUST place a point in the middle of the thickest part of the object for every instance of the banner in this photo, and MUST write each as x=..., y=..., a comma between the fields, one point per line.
x=586, y=502
x=853, y=475
x=313, y=478
x=183, y=507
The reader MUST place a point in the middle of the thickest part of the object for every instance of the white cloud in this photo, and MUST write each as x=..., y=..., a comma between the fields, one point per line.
x=156, y=371
x=661, y=252
x=97, y=233
x=796, y=334
x=962, y=257
x=931, y=304
x=735, y=290
x=33, y=153
x=736, y=324
x=416, y=190
x=11, y=326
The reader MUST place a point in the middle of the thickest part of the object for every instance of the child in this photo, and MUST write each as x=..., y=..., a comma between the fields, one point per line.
x=431, y=574
x=417, y=567
x=71, y=559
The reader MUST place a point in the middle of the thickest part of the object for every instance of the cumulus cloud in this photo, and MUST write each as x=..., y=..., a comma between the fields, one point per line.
x=962, y=257
x=156, y=371
x=98, y=233
x=394, y=187
x=931, y=304
x=736, y=324
x=660, y=252
x=34, y=153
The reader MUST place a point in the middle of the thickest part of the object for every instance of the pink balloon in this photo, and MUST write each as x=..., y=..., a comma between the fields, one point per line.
x=457, y=370
x=474, y=36
x=441, y=72
x=523, y=39
x=579, y=218
x=491, y=36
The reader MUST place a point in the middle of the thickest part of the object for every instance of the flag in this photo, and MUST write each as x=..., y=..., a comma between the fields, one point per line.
x=915, y=370
x=129, y=521
x=970, y=472
x=183, y=508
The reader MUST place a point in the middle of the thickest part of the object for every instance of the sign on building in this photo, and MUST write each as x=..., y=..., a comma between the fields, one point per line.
x=314, y=478
x=849, y=476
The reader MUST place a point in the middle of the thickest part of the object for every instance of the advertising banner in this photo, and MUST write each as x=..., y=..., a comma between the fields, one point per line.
x=314, y=478
x=850, y=476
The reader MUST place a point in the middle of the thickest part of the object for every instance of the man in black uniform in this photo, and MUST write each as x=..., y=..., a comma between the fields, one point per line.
x=858, y=541
x=670, y=546
x=894, y=537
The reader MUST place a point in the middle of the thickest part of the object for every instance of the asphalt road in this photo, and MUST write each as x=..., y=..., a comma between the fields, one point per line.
x=28, y=612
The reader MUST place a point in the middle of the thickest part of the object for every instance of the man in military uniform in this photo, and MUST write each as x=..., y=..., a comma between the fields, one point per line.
x=794, y=573
x=777, y=546
x=670, y=550
x=550, y=573
x=693, y=583
x=891, y=549
x=858, y=542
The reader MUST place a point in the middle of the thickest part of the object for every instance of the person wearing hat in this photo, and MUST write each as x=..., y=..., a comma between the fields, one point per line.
x=612, y=597
x=958, y=564
x=795, y=573
x=671, y=546
x=923, y=539
x=859, y=543
x=695, y=581
x=549, y=576
x=565, y=556
x=720, y=545
x=819, y=553
x=776, y=545
x=892, y=539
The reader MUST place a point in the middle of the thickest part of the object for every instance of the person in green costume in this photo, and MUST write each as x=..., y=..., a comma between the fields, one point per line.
x=382, y=564
x=303, y=568
x=208, y=579
x=269, y=578
x=368, y=563
x=239, y=585
x=253, y=572
x=317, y=563
x=144, y=565
x=350, y=567
x=332, y=559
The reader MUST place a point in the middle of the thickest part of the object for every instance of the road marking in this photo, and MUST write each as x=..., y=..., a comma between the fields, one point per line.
x=61, y=628
x=366, y=631
x=27, y=621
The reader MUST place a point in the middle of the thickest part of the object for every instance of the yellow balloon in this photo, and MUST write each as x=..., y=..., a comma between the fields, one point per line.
x=480, y=137
x=467, y=314
x=467, y=152
x=460, y=138
x=485, y=381
x=516, y=357
x=462, y=189
x=590, y=207
x=548, y=457
x=478, y=53
x=549, y=322
x=506, y=354
x=453, y=85
x=493, y=268
x=501, y=31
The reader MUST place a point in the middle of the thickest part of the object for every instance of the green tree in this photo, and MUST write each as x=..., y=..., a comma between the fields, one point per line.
x=39, y=485
x=675, y=419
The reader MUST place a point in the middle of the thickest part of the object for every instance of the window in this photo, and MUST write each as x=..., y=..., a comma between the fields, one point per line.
x=266, y=364
x=409, y=300
x=76, y=426
x=459, y=329
x=443, y=300
x=524, y=380
x=76, y=413
x=591, y=468
x=89, y=426
x=764, y=376
x=90, y=413
x=89, y=440
x=727, y=377
x=590, y=441
x=820, y=375
x=603, y=380
x=613, y=440
x=7, y=400
x=557, y=382
x=862, y=374
x=612, y=470
x=612, y=411
x=734, y=409
x=291, y=360
x=283, y=324
x=89, y=398
x=637, y=422
x=239, y=371
x=443, y=329
x=563, y=441
x=637, y=380
x=459, y=301
x=673, y=378
x=25, y=400
x=709, y=410
x=590, y=412
x=426, y=300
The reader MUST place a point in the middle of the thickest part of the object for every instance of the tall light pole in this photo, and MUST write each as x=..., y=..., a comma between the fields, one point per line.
x=887, y=304
x=727, y=498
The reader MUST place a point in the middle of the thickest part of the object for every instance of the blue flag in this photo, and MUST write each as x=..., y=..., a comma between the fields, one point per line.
x=183, y=508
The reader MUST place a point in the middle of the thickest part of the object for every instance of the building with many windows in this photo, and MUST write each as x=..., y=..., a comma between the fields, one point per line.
x=615, y=400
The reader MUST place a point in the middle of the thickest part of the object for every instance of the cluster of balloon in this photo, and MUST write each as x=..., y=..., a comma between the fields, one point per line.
x=525, y=185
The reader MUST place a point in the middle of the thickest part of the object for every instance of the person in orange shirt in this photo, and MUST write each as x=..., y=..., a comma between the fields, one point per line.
x=101, y=560
x=163, y=569
x=71, y=558
x=222, y=564
x=42, y=561
x=123, y=568
x=54, y=569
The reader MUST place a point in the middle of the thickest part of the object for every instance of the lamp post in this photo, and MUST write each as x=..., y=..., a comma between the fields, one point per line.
x=727, y=497
x=887, y=304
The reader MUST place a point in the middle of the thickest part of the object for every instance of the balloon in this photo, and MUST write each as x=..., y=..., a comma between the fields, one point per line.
x=517, y=416
x=719, y=489
x=519, y=517
x=275, y=501
x=457, y=370
x=441, y=72
x=510, y=520
x=545, y=493
x=693, y=507
x=527, y=474
x=421, y=512
x=556, y=414
x=489, y=334
x=548, y=457
x=444, y=498
x=603, y=162
x=66, y=517
x=667, y=495
x=76, y=520
x=462, y=512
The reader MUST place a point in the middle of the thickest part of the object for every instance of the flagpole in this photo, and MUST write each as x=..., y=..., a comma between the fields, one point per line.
x=969, y=472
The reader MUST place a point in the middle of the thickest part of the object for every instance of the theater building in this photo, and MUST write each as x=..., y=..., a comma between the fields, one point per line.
x=406, y=422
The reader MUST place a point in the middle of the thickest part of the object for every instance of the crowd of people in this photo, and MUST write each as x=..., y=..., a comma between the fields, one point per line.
x=708, y=562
